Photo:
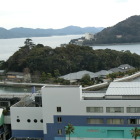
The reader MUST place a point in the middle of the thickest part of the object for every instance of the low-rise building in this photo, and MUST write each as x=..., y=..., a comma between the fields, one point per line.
x=122, y=68
x=76, y=76
x=89, y=36
x=94, y=115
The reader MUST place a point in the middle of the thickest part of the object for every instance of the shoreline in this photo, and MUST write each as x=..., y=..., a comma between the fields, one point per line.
x=114, y=44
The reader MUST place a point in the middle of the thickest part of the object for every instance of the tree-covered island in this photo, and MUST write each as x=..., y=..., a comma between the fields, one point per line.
x=47, y=64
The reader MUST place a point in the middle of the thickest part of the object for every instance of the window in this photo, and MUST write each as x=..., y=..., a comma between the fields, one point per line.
x=58, y=109
x=41, y=120
x=59, y=119
x=133, y=109
x=115, y=110
x=18, y=120
x=5, y=104
x=133, y=121
x=28, y=120
x=94, y=121
x=115, y=121
x=35, y=120
x=95, y=109
x=59, y=131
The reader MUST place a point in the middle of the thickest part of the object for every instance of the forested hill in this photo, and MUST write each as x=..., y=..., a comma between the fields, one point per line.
x=29, y=32
x=126, y=31
x=70, y=58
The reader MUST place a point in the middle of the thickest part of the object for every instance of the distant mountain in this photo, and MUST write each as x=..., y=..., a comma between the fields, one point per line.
x=126, y=31
x=29, y=32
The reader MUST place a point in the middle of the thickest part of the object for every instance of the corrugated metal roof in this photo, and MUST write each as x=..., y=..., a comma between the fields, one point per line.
x=124, y=88
x=78, y=75
x=103, y=72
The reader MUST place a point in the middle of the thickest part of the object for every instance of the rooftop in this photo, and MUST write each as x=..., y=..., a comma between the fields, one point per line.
x=123, y=88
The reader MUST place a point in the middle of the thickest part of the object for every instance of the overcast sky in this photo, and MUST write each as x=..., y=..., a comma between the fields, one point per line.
x=61, y=13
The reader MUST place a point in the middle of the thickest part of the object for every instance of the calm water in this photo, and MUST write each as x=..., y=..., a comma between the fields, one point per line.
x=134, y=48
x=9, y=46
x=8, y=90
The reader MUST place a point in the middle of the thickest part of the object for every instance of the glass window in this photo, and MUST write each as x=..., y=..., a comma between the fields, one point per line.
x=133, y=109
x=41, y=120
x=95, y=109
x=115, y=110
x=115, y=121
x=94, y=121
x=58, y=109
x=133, y=121
x=59, y=119
x=5, y=104
x=18, y=120
x=59, y=131
x=29, y=120
x=35, y=120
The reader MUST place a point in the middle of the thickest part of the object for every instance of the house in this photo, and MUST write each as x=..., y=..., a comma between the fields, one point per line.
x=122, y=68
x=73, y=77
x=103, y=73
x=18, y=77
x=15, y=76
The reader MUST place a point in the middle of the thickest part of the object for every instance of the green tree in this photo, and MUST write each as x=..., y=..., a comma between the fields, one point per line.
x=69, y=130
x=135, y=133
x=43, y=77
x=86, y=80
x=56, y=73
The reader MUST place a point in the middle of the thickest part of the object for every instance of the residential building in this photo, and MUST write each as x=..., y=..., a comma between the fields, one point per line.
x=75, y=76
x=122, y=68
x=89, y=36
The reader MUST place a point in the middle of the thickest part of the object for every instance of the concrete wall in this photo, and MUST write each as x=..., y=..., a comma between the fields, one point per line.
x=23, y=128
x=64, y=97
x=24, y=113
x=73, y=109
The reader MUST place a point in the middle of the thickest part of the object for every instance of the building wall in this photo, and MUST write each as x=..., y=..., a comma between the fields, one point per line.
x=59, y=97
x=89, y=36
x=73, y=110
x=21, y=127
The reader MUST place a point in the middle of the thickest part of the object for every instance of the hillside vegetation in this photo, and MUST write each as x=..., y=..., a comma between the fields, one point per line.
x=71, y=58
x=127, y=31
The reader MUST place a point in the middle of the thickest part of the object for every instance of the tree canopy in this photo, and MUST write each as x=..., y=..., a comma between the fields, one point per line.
x=64, y=60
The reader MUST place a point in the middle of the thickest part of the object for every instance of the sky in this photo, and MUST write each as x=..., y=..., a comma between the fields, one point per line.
x=58, y=14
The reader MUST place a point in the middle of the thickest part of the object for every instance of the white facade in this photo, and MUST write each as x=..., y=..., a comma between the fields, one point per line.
x=89, y=36
x=23, y=114
x=69, y=104
x=53, y=97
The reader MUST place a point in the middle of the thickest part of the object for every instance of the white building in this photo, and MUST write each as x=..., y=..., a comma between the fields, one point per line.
x=106, y=115
x=89, y=36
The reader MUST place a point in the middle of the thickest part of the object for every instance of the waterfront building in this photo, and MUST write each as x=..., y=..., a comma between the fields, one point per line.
x=89, y=36
x=95, y=115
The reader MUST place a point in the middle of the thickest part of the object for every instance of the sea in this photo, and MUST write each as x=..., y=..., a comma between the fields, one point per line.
x=10, y=46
